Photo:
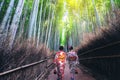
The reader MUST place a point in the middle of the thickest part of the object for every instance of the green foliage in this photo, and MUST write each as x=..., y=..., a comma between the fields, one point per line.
x=81, y=11
x=117, y=3
x=68, y=14
x=3, y=10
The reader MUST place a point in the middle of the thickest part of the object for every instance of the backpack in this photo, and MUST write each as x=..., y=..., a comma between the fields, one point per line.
x=72, y=56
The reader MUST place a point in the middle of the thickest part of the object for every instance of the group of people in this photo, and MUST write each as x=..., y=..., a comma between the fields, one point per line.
x=61, y=58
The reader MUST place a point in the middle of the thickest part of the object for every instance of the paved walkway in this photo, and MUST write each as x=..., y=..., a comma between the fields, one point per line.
x=80, y=76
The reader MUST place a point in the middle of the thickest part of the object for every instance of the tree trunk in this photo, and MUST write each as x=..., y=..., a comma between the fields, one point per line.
x=15, y=22
x=112, y=4
x=55, y=40
x=8, y=13
x=46, y=37
x=50, y=29
x=113, y=8
x=38, y=36
x=35, y=23
x=1, y=5
x=43, y=27
x=7, y=27
x=96, y=13
x=33, y=18
x=23, y=22
x=58, y=40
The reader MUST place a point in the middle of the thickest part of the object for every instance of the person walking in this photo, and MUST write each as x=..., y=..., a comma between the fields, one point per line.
x=73, y=61
x=59, y=61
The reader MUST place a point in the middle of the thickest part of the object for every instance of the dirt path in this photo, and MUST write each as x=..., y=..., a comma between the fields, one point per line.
x=80, y=76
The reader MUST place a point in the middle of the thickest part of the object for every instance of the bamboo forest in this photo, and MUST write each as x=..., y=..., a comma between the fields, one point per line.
x=33, y=32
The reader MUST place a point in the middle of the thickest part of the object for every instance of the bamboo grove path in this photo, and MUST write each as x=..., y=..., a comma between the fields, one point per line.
x=51, y=76
x=80, y=76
